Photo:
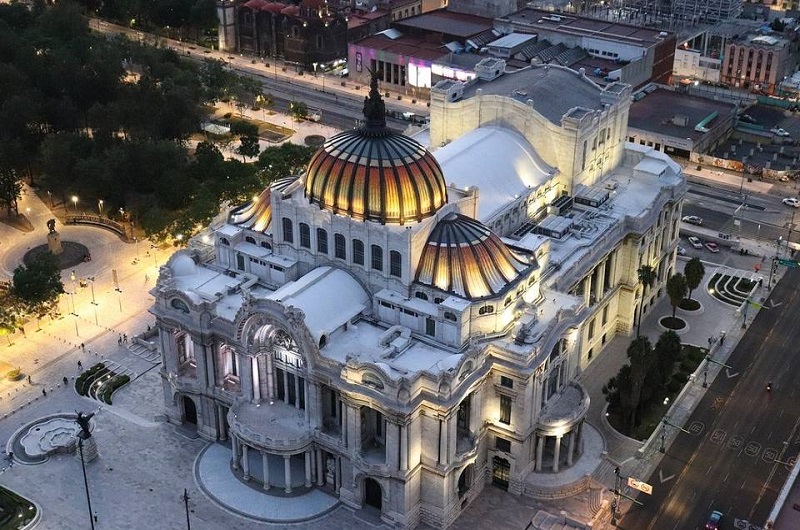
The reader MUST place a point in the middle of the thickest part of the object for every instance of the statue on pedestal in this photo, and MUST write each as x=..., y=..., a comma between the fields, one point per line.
x=87, y=446
x=53, y=238
x=83, y=421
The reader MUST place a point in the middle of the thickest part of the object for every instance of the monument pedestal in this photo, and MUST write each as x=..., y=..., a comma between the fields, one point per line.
x=54, y=243
x=89, y=449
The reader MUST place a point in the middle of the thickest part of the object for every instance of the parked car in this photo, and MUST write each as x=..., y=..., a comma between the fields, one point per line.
x=747, y=118
x=692, y=220
x=695, y=242
x=713, y=520
x=344, y=72
x=681, y=251
x=779, y=131
x=713, y=247
x=792, y=201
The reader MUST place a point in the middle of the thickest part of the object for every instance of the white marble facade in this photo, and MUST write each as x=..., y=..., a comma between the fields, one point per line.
x=405, y=364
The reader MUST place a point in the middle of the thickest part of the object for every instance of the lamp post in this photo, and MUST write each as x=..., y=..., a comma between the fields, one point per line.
x=75, y=203
x=74, y=312
x=50, y=198
x=100, y=206
x=86, y=483
x=185, y=499
x=94, y=302
x=705, y=374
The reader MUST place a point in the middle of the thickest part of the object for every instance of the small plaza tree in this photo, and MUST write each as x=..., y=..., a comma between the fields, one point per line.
x=38, y=283
x=676, y=290
x=693, y=271
x=647, y=277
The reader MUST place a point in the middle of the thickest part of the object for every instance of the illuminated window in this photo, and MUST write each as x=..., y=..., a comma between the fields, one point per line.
x=358, y=252
x=322, y=241
x=305, y=236
x=395, y=266
x=377, y=257
x=288, y=230
x=339, y=246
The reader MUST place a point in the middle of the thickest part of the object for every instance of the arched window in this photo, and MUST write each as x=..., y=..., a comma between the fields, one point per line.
x=421, y=295
x=438, y=300
x=250, y=239
x=322, y=241
x=305, y=236
x=507, y=301
x=395, y=265
x=339, y=246
x=450, y=316
x=358, y=252
x=223, y=241
x=288, y=230
x=266, y=245
x=486, y=310
x=376, y=254
x=180, y=305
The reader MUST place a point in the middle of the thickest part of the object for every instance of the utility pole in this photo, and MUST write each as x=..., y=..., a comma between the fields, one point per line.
x=185, y=498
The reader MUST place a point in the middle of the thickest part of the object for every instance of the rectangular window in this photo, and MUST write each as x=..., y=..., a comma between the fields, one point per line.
x=322, y=241
x=506, y=382
x=605, y=315
x=591, y=329
x=430, y=327
x=288, y=231
x=395, y=265
x=505, y=410
x=305, y=236
x=358, y=252
x=501, y=444
x=339, y=246
x=240, y=262
x=377, y=257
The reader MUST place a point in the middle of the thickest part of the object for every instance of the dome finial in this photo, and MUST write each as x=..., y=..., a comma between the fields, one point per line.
x=374, y=107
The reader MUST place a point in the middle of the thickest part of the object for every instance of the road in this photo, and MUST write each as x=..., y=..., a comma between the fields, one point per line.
x=743, y=438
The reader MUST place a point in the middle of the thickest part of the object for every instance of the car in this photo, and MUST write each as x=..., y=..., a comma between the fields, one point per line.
x=713, y=247
x=713, y=520
x=692, y=220
x=779, y=131
x=792, y=201
x=344, y=72
x=681, y=251
x=747, y=118
x=784, y=178
x=695, y=242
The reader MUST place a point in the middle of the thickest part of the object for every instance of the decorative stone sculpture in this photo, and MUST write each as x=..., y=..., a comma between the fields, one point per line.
x=53, y=238
x=85, y=438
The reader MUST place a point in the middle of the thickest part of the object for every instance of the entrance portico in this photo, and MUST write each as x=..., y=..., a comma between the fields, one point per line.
x=559, y=431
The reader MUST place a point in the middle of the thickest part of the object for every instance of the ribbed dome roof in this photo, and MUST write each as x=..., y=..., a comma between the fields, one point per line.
x=465, y=258
x=257, y=214
x=374, y=174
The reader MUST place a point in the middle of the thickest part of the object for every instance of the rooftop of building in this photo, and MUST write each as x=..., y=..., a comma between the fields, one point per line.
x=544, y=85
x=407, y=45
x=447, y=22
x=537, y=19
x=656, y=111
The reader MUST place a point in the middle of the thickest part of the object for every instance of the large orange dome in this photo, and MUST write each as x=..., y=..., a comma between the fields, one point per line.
x=374, y=174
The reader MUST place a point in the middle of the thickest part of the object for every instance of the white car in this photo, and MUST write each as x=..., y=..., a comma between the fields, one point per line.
x=695, y=242
x=792, y=201
x=692, y=220
x=779, y=131
x=681, y=251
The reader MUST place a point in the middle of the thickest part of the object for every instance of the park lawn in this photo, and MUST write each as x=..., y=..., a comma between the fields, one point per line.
x=15, y=511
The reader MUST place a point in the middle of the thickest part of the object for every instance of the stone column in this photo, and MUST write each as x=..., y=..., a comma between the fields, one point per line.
x=356, y=437
x=234, y=452
x=443, y=441
x=287, y=472
x=343, y=427
x=571, y=452
x=540, y=441
x=392, y=448
x=320, y=469
x=308, y=405
x=270, y=379
x=210, y=364
x=601, y=279
x=286, y=387
x=556, y=454
x=296, y=391
x=199, y=350
x=245, y=462
x=452, y=436
x=403, y=447
x=256, y=380
x=221, y=423
x=247, y=375
x=307, y=456
x=265, y=465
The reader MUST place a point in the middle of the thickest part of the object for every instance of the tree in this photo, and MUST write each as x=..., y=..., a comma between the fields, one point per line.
x=298, y=110
x=647, y=277
x=38, y=283
x=284, y=160
x=617, y=387
x=676, y=290
x=640, y=353
x=248, y=147
x=10, y=189
x=693, y=272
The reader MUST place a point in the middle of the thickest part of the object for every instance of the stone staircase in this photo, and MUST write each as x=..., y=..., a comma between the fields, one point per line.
x=144, y=352
x=604, y=474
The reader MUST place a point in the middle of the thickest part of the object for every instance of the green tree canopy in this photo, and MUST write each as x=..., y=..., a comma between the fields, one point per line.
x=38, y=283
x=647, y=277
x=693, y=271
x=676, y=290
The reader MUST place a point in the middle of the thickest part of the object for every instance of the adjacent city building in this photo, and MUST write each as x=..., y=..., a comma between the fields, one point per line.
x=403, y=323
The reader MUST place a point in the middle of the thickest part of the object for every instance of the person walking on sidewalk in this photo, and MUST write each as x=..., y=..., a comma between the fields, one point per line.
x=44, y=392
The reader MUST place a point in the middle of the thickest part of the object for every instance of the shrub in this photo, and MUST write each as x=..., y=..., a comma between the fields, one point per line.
x=14, y=375
x=688, y=366
x=681, y=378
x=84, y=381
x=112, y=385
x=674, y=386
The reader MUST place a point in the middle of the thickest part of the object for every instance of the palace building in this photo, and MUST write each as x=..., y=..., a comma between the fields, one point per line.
x=401, y=325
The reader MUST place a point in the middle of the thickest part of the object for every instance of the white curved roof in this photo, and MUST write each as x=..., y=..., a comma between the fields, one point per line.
x=328, y=297
x=501, y=163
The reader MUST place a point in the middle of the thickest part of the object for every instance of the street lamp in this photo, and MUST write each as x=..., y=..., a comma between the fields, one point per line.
x=86, y=482
x=75, y=202
x=100, y=206
x=185, y=499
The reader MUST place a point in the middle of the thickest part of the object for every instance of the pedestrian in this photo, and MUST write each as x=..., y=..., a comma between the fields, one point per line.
x=125, y=338
x=119, y=340
x=721, y=340
x=83, y=348
x=44, y=392
x=29, y=380
x=146, y=278
x=65, y=381
x=80, y=366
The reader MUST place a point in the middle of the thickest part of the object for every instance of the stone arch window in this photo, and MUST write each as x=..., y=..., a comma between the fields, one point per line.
x=180, y=305
x=486, y=310
x=323, y=340
x=395, y=264
x=224, y=242
x=339, y=246
x=305, y=236
x=250, y=239
x=372, y=380
x=376, y=253
x=507, y=301
x=322, y=241
x=450, y=316
x=438, y=300
x=465, y=480
x=266, y=245
x=288, y=230
x=358, y=252
x=421, y=295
